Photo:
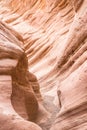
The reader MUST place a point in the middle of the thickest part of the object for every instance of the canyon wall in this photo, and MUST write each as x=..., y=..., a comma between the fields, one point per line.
x=52, y=45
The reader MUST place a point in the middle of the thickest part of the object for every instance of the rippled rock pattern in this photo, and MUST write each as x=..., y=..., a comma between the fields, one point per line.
x=54, y=37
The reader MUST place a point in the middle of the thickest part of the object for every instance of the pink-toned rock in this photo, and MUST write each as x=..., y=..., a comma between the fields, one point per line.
x=9, y=119
x=55, y=41
x=16, y=91
x=73, y=97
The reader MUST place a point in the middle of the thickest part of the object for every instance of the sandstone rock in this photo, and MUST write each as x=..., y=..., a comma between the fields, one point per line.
x=72, y=114
x=9, y=119
x=55, y=41
x=14, y=81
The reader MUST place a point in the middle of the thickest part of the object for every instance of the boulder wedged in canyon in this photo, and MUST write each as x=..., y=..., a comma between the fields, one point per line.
x=55, y=41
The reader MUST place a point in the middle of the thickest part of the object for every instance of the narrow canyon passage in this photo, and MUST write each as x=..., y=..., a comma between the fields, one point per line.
x=52, y=112
x=46, y=114
x=43, y=65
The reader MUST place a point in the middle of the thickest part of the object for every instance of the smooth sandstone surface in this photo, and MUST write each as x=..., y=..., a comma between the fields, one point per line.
x=43, y=50
x=16, y=93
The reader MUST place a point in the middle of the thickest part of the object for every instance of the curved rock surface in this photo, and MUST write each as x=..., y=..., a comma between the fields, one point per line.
x=15, y=87
x=54, y=36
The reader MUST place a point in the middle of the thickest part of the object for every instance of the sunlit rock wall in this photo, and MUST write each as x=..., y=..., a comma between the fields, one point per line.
x=55, y=41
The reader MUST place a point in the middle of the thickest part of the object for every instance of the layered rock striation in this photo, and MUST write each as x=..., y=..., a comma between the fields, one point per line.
x=17, y=95
x=54, y=37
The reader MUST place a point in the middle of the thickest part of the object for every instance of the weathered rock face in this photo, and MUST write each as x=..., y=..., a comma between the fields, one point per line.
x=14, y=80
x=55, y=42
x=73, y=112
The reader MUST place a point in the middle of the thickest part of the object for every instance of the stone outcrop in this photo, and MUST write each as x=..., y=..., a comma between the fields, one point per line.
x=54, y=36
x=15, y=87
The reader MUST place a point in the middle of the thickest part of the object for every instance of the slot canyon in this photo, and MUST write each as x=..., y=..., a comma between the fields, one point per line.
x=43, y=64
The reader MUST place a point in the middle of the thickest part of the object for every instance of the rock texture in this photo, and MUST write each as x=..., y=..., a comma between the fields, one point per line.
x=54, y=36
x=14, y=84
